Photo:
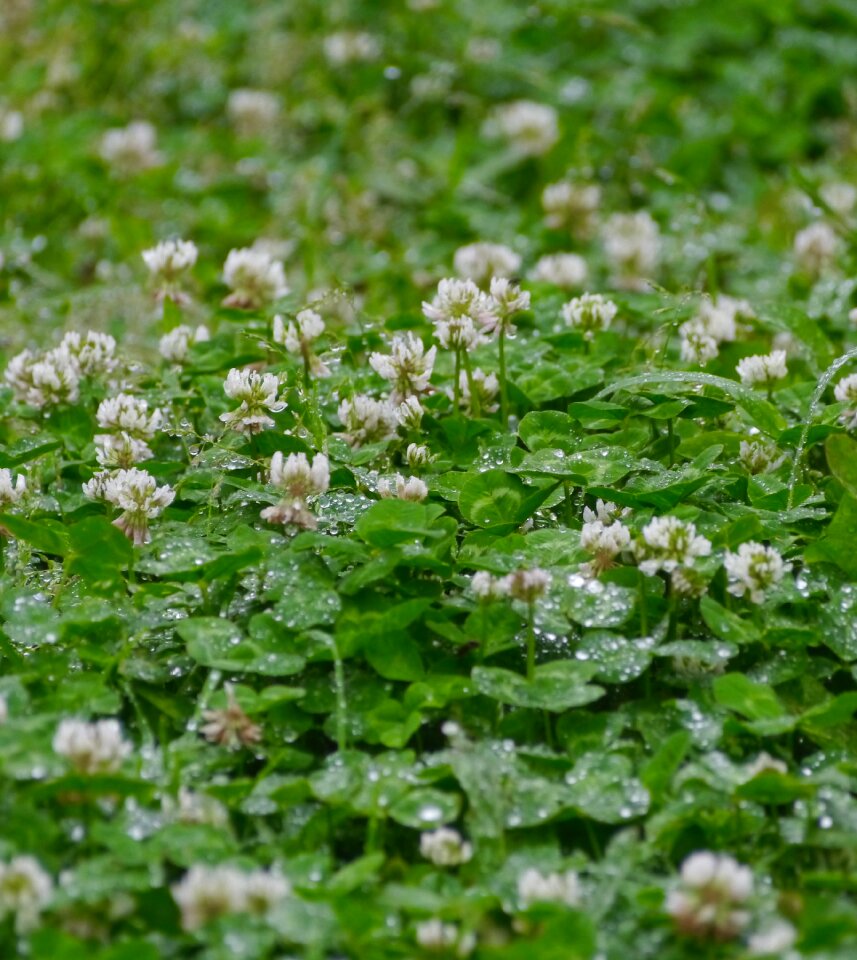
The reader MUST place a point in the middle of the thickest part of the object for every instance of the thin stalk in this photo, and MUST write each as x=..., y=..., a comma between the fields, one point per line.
x=456, y=386
x=504, y=402
x=531, y=642
x=474, y=398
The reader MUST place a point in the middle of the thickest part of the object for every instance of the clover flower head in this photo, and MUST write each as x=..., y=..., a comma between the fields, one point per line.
x=12, y=488
x=91, y=748
x=763, y=368
x=252, y=112
x=815, y=248
x=408, y=367
x=445, y=847
x=132, y=149
x=754, y=570
x=230, y=726
x=845, y=392
x=708, y=902
x=537, y=887
x=485, y=386
x=25, y=890
x=254, y=277
x=571, y=205
x=436, y=936
x=174, y=346
x=632, y=246
x=137, y=494
x=298, y=479
x=257, y=394
x=409, y=414
x=506, y=299
x=668, y=543
x=530, y=128
x=169, y=260
x=400, y=488
x=527, y=585
x=566, y=270
x=206, y=893
x=367, y=420
x=589, y=313
x=480, y=262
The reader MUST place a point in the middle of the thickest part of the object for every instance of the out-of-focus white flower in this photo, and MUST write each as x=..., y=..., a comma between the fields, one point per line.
x=506, y=299
x=715, y=323
x=4, y=710
x=351, y=46
x=252, y=112
x=367, y=420
x=571, y=205
x=846, y=392
x=606, y=511
x=399, y=488
x=760, y=456
x=480, y=262
x=457, y=311
x=408, y=367
x=841, y=197
x=174, y=345
x=254, y=277
x=52, y=379
x=763, y=368
x=486, y=386
x=12, y=488
x=125, y=412
x=531, y=128
x=91, y=748
x=815, y=248
x=120, y=450
x=298, y=338
x=753, y=570
x=537, y=887
x=230, y=726
x=438, y=937
x=696, y=345
x=566, y=270
x=132, y=149
x=25, y=891
x=773, y=941
x=488, y=587
x=257, y=394
x=527, y=585
x=92, y=353
x=604, y=541
x=193, y=807
x=11, y=124
x=167, y=263
x=589, y=313
x=298, y=479
x=137, y=494
x=708, y=902
x=668, y=543
x=206, y=893
x=445, y=847
x=409, y=414
x=632, y=245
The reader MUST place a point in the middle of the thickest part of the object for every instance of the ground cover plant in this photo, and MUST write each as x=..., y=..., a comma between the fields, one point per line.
x=428, y=479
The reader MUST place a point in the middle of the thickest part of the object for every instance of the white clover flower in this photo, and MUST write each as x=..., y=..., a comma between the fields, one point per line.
x=12, y=489
x=399, y=488
x=527, y=585
x=486, y=386
x=409, y=414
x=763, y=368
x=93, y=353
x=632, y=245
x=206, y=893
x=688, y=582
x=137, y=494
x=439, y=937
x=589, y=313
x=408, y=367
x=132, y=149
x=230, y=726
x=445, y=847
x=760, y=456
x=264, y=890
x=130, y=414
x=254, y=277
x=25, y=890
x=197, y=808
x=506, y=299
x=174, y=345
x=257, y=394
x=91, y=748
x=530, y=128
x=537, y=887
x=120, y=450
x=298, y=338
x=418, y=455
x=456, y=310
x=773, y=941
x=754, y=569
x=367, y=420
x=480, y=262
x=488, y=587
x=566, y=270
x=764, y=762
x=841, y=197
x=167, y=263
x=668, y=543
x=696, y=345
x=815, y=248
x=571, y=205
x=252, y=112
x=606, y=511
x=708, y=902
x=49, y=380
x=846, y=392
x=605, y=542
x=298, y=479
x=349, y=46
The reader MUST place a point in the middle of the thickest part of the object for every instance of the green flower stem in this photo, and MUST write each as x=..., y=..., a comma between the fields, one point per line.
x=474, y=399
x=531, y=642
x=504, y=401
x=456, y=389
